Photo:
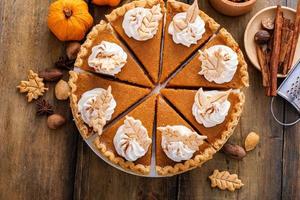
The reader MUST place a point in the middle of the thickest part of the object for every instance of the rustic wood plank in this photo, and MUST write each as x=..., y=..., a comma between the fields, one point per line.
x=291, y=149
x=259, y=171
x=36, y=163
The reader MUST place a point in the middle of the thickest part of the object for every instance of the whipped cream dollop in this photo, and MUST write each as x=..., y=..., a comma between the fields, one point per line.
x=219, y=63
x=107, y=58
x=96, y=106
x=186, y=33
x=142, y=23
x=211, y=107
x=131, y=140
x=179, y=142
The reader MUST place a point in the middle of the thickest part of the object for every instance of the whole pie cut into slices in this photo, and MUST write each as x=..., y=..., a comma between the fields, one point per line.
x=186, y=29
x=167, y=122
x=140, y=25
x=214, y=114
x=103, y=53
x=220, y=64
x=128, y=142
x=85, y=88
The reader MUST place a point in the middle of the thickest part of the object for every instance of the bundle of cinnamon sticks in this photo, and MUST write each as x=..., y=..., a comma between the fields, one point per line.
x=276, y=52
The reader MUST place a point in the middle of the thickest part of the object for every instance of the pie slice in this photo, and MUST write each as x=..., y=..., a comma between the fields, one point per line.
x=175, y=54
x=148, y=51
x=191, y=70
x=166, y=115
x=105, y=143
x=183, y=101
x=130, y=72
x=124, y=95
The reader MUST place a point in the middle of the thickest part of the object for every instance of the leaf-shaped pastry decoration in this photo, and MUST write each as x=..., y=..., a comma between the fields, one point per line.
x=34, y=86
x=192, y=12
x=191, y=15
x=150, y=22
x=101, y=105
x=135, y=130
x=224, y=180
x=193, y=141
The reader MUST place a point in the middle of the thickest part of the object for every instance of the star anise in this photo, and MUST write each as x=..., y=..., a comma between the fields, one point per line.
x=43, y=107
x=65, y=62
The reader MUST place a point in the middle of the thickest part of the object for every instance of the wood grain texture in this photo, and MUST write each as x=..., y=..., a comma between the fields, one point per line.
x=36, y=163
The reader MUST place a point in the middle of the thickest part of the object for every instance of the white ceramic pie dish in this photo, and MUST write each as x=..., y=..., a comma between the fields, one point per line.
x=254, y=25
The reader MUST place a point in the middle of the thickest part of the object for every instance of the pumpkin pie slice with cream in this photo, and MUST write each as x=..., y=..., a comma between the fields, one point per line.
x=178, y=147
x=96, y=101
x=213, y=113
x=104, y=53
x=220, y=64
x=128, y=142
x=186, y=29
x=140, y=25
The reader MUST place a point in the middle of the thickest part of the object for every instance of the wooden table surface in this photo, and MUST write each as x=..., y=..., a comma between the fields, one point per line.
x=38, y=163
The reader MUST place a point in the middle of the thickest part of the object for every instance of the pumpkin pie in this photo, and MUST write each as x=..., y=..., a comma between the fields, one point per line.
x=96, y=50
x=167, y=116
x=122, y=94
x=183, y=101
x=140, y=25
x=115, y=138
x=174, y=54
x=230, y=61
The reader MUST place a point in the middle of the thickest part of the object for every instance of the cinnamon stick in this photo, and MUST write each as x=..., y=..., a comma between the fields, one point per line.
x=295, y=37
x=276, y=50
x=286, y=33
x=261, y=56
x=288, y=47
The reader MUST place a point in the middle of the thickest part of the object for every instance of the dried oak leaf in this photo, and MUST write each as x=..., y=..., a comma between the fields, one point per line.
x=34, y=86
x=224, y=180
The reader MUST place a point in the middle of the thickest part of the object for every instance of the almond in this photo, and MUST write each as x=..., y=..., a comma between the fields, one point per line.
x=55, y=121
x=234, y=151
x=251, y=141
x=51, y=74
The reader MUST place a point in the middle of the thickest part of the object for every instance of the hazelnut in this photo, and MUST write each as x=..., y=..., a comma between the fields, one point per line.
x=55, y=121
x=51, y=74
x=234, y=151
x=262, y=37
x=72, y=50
x=268, y=24
x=62, y=90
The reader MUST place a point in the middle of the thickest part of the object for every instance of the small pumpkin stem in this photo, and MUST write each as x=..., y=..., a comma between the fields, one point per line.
x=67, y=12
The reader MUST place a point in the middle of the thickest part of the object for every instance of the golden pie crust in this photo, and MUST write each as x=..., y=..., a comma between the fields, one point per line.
x=240, y=78
x=104, y=143
x=173, y=114
x=131, y=71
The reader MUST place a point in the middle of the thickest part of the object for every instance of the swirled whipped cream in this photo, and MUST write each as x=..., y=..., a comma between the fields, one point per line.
x=131, y=140
x=219, y=63
x=211, y=107
x=107, y=58
x=142, y=23
x=184, y=32
x=96, y=107
x=179, y=142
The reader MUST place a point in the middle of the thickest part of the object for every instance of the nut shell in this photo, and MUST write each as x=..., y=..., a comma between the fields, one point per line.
x=72, y=50
x=51, y=74
x=268, y=24
x=234, y=151
x=62, y=90
x=55, y=121
x=251, y=141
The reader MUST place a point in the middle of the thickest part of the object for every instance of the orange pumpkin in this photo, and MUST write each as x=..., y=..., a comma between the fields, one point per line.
x=106, y=2
x=69, y=19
